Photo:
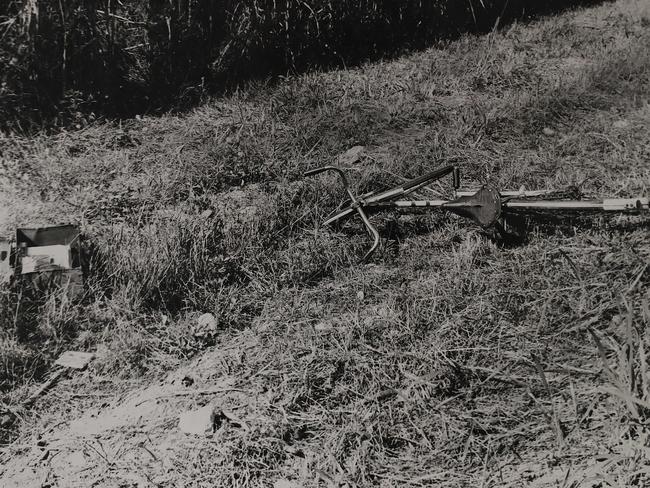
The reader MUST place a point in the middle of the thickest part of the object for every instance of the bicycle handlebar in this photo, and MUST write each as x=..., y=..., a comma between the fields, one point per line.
x=355, y=203
x=341, y=173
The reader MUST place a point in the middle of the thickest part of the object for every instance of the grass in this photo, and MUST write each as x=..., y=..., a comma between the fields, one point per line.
x=447, y=361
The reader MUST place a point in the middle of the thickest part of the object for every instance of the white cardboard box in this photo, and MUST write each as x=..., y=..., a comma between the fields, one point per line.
x=46, y=258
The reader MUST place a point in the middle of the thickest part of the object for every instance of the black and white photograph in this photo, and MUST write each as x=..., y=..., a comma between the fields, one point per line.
x=324, y=243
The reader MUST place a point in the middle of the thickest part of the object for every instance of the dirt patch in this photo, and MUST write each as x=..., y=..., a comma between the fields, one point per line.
x=134, y=440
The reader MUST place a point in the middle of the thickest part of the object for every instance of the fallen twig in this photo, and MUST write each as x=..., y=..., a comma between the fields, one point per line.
x=44, y=387
x=194, y=392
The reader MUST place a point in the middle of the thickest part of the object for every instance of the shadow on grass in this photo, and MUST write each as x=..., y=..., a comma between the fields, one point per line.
x=547, y=223
x=369, y=38
x=178, y=79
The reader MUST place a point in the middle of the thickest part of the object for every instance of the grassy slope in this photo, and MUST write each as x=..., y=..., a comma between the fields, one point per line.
x=449, y=360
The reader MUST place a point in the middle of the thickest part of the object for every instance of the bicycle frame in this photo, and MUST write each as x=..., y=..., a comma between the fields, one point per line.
x=483, y=206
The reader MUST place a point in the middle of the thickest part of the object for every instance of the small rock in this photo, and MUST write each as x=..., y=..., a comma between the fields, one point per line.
x=352, y=155
x=206, y=325
x=206, y=214
x=285, y=484
x=323, y=327
x=198, y=422
x=75, y=359
x=6, y=420
x=621, y=124
x=361, y=295
x=548, y=131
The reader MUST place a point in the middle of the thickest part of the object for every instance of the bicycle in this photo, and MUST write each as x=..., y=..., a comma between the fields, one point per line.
x=484, y=206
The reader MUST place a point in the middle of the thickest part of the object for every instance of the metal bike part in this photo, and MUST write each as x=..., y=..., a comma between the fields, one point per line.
x=456, y=176
x=418, y=183
x=484, y=207
x=608, y=205
x=510, y=193
x=370, y=199
x=356, y=206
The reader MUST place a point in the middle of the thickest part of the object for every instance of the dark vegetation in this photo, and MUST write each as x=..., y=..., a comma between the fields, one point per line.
x=62, y=62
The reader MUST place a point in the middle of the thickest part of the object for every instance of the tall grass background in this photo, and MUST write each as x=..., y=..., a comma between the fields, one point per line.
x=64, y=62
